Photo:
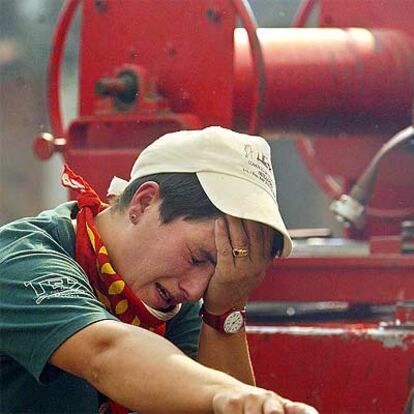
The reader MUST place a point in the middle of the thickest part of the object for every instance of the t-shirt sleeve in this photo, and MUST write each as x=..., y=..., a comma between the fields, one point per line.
x=45, y=298
x=184, y=329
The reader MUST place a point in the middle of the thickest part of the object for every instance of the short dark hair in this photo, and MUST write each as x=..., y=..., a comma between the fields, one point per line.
x=181, y=193
x=182, y=197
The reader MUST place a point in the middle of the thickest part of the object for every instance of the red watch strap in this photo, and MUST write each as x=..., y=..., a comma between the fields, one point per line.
x=217, y=321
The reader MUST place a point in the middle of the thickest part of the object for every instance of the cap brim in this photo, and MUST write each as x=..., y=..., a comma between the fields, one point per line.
x=240, y=198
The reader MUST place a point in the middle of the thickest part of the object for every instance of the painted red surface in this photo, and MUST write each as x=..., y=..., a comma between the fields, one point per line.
x=342, y=369
x=371, y=279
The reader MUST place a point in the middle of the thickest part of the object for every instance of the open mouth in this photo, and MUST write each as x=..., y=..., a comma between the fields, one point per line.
x=164, y=293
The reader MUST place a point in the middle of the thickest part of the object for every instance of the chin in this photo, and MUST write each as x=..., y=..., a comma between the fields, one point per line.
x=162, y=308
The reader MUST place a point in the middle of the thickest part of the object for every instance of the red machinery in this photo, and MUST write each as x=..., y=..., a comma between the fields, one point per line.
x=341, y=91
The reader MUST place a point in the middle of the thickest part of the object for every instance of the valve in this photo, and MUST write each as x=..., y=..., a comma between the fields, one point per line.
x=45, y=145
x=124, y=88
x=350, y=209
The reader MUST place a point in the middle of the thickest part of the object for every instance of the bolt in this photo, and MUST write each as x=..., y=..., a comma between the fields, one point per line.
x=213, y=15
x=171, y=51
x=328, y=20
x=133, y=54
x=101, y=6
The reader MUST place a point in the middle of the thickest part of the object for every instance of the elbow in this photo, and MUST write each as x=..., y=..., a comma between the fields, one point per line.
x=105, y=351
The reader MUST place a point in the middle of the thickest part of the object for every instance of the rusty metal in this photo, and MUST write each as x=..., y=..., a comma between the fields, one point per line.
x=339, y=368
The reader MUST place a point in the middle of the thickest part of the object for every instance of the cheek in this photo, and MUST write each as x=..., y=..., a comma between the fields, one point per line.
x=203, y=272
x=176, y=252
x=210, y=271
x=173, y=261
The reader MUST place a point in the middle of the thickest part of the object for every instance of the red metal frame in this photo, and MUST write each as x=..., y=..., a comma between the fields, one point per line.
x=372, y=279
x=249, y=22
x=242, y=9
x=54, y=67
x=91, y=138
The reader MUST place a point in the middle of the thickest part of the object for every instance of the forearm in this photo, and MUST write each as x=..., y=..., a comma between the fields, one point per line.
x=146, y=373
x=226, y=353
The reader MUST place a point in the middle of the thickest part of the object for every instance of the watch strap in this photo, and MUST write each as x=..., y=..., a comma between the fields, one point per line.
x=217, y=321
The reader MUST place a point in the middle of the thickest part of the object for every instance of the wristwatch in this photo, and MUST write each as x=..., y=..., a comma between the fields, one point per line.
x=229, y=322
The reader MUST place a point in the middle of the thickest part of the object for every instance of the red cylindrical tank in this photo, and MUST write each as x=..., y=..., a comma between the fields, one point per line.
x=322, y=76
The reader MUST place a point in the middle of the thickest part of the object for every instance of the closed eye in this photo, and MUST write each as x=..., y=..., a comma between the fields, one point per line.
x=201, y=257
x=197, y=262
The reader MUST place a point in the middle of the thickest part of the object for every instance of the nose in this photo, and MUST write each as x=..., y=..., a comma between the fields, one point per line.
x=194, y=284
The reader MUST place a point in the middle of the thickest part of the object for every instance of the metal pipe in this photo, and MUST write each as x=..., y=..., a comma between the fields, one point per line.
x=350, y=209
x=328, y=76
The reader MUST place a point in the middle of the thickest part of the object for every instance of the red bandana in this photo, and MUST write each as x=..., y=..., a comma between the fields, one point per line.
x=92, y=256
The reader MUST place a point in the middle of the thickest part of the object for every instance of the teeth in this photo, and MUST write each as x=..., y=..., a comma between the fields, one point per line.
x=164, y=294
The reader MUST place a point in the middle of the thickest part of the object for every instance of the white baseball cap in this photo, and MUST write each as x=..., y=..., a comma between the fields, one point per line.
x=234, y=170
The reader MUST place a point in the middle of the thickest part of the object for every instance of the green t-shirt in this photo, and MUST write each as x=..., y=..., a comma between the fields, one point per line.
x=45, y=297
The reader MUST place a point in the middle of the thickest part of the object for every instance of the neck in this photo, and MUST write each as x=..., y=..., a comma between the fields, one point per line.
x=109, y=224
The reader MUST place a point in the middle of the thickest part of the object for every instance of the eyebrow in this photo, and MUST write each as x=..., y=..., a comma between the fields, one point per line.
x=207, y=255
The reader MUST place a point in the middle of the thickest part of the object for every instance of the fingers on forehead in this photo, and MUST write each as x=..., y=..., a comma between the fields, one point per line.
x=254, y=228
x=261, y=235
x=250, y=231
x=243, y=223
x=237, y=232
x=268, y=236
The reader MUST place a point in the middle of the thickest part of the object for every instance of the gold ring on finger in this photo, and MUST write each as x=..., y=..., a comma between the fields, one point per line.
x=237, y=253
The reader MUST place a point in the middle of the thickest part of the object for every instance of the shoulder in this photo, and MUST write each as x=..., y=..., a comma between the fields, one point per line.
x=51, y=230
x=37, y=255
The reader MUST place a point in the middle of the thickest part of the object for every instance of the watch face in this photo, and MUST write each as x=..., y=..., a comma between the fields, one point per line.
x=234, y=322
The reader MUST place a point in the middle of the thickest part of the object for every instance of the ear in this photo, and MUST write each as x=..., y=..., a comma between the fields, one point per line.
x=147, y=195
